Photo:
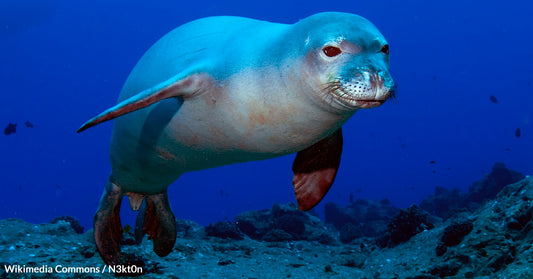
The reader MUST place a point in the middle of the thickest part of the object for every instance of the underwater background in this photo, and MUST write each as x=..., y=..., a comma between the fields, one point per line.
x=464, y=79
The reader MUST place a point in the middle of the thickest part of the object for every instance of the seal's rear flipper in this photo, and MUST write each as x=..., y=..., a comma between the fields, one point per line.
x=139, y=223
x=314, y=170
x=178, y=86
x=107, y=227
x=157, y=220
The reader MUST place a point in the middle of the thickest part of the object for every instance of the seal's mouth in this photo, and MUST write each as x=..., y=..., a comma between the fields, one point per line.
x=351, y=102
x=366, y=90
x=369, y=103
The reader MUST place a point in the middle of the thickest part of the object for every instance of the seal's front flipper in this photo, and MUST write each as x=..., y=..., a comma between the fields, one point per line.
x=107, y=227
x=159, y=223
x=178, y=86
x=314, y=170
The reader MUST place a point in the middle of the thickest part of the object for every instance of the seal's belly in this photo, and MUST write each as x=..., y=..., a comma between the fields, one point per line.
x=152, y=148
x=209, y=132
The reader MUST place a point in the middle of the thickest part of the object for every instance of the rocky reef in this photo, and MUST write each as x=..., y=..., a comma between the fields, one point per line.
x=406, y=224
x=361, y=218
x=446, y=203
x=284, y=223
x=487, y=233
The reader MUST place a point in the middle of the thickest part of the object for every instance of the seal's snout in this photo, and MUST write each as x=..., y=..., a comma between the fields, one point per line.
x=367, y=89
x=383, y=85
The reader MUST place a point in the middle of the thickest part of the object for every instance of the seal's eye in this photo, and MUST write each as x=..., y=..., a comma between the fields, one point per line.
x=385, y=49
x=331, y=51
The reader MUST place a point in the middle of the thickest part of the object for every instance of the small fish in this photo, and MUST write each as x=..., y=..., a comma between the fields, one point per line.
x=517, y=133
x=223, y=194
x=28, y=124
x=10, y=129
x=493, y=99
x=507, y=149
x=434, y=171
x=432, y=162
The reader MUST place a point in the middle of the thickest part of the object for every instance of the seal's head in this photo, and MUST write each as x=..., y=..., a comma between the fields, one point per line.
x=346, y=61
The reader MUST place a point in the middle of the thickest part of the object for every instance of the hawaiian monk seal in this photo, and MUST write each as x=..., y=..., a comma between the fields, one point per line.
x=224, y=90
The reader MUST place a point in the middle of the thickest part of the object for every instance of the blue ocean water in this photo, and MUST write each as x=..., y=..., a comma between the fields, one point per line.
x=62, y=62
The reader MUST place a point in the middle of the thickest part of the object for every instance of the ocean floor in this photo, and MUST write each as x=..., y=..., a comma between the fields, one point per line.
x=491, y=239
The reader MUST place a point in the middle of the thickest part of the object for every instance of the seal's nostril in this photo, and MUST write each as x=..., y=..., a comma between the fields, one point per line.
x=385, y=49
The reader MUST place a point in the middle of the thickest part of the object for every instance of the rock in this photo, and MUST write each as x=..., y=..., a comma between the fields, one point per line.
x=423, y=277
x=284, y=222
x=350, y=232
x=132, y=260
x=60, y=227
x=225, y=261
x=356, y=260
x=495, y=241
x=224, y=230
x=321, y=233
x=519, y=219
x=497, y=245
x=89, y=236
x=189, y=229
x=87, y=251
x=277, y=235
x=74, y=223
x=255, y=224
x=441, y=249
x=446, y=203
x=491, y=184
x=405, y=225
x=293, y=224
x=446, y=269
x=338, y=215
x=502, y=260
x=454, y=233
x=371, y=217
